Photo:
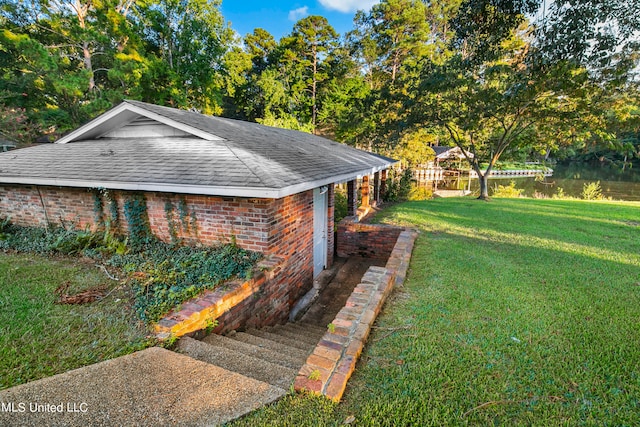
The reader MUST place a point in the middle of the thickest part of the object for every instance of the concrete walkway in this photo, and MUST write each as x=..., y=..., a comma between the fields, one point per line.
x=153, y=387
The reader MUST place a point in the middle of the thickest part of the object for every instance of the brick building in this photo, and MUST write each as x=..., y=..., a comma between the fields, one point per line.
x=202, y=179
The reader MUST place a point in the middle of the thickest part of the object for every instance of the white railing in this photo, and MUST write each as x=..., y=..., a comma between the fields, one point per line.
x=517, y=173
x=431, y=174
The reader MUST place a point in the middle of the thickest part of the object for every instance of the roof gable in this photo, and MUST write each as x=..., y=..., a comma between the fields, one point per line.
x=124, y=116
x=143, y=127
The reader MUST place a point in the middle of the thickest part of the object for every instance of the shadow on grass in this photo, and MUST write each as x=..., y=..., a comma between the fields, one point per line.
x=613, y=226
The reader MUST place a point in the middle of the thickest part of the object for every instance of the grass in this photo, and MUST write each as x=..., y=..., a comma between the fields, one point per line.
x=515, y=312
x=39, y=338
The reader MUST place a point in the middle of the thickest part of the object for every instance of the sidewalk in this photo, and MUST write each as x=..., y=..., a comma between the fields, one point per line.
x=153, y=387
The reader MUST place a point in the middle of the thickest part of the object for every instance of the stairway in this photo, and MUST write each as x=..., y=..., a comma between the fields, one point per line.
x=273, y=355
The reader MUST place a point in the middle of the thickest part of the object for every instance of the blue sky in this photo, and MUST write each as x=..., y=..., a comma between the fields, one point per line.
x=278, y=16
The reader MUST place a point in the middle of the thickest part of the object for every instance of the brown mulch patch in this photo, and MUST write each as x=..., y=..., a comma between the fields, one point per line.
x=85, y=297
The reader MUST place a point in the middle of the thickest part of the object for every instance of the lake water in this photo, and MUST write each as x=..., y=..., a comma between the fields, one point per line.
x=615, y=183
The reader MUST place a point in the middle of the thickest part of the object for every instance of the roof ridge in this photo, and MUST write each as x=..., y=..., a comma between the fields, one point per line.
x=250, y=167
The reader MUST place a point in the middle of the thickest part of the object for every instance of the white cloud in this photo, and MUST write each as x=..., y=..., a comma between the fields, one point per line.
x=347, y=6
x=299, y=13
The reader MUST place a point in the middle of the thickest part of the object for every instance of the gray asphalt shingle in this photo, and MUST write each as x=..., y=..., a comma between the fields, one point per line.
x=249, y=156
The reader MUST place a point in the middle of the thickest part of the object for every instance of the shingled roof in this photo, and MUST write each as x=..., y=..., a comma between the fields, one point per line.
x=196, y=154
x=446, y=153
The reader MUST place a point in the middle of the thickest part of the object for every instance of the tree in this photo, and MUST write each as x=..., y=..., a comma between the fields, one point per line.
x=65, y=61
x=601, y=35
x=315, y=40
x=485, y=112
x=191, y=38
x=497, y=92
x=61, y=53
x=391, y=32
x=15, y=126
x=415, y=149
x=386, y=45
x=245, y=80
x=259, y=46
x=618, y=139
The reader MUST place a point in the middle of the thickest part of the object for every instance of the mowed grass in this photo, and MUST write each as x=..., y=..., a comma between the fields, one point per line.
x=39, y=338
x=515, y=312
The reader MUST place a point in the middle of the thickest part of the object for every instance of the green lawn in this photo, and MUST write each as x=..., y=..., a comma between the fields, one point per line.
x=39, y=338
x=515, y=312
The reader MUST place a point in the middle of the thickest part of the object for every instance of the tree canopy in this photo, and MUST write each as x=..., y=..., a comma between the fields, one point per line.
x=500, y=79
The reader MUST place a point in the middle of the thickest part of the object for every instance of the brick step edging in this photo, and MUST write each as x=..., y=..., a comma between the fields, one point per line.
x=331, y=364
x=199, y=312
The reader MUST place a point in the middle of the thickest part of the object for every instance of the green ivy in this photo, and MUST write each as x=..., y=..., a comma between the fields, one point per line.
x=98, y=208
x=194, y=224
x=184, y=213
x=163, y=275
x=187, y=218
x=113, y=210
x=168, y=213
x=61, y=241
x=135, y=211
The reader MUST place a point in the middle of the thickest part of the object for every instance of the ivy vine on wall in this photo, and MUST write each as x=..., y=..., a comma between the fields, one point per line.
x=171, y=224
x=113, y=209
x=135, y=212
x=187, y=224
x=110, y=220
x=98, y=208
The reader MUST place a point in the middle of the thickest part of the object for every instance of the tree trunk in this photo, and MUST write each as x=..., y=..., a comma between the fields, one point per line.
x=88, y=64
x=314, y=111
x=484, y=186
x=82, y=10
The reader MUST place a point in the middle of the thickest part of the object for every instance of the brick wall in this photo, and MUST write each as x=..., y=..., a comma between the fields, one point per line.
x=210, y=219
x=32, y=206
x=366, y=240
x=236, y=306
x=282, y=227
x=266, y=225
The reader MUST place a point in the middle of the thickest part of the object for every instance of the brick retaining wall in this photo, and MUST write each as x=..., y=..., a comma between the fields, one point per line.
x=366, y=240
x=235, y=305
x=334, y=358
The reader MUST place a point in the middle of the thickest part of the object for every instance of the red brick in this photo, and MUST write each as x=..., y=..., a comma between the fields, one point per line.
x=321, y=362
x=305, y=384
x=336, y=387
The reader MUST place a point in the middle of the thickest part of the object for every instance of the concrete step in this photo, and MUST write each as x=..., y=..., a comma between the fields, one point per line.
x=292, y=342
x=282, y=357
x=321, y=329
x=308, y=330
x=309, y=337
x=272, y=345
x=252, y=367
